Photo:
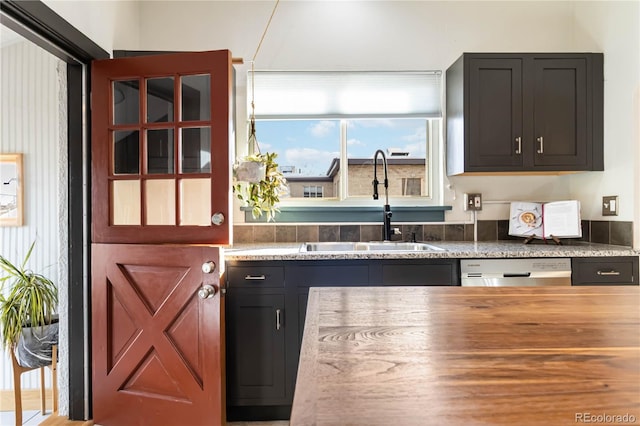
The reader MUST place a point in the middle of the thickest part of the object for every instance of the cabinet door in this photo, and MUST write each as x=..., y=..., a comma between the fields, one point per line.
x=560, y=113
x=255, y=348
x=495, y=114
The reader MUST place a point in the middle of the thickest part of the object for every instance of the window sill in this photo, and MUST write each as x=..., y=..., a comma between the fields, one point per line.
x=298, y=214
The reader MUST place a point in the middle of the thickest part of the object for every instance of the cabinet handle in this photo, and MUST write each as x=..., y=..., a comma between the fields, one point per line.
x=278, y=324
x=608, y=273
x=255, y=277
x=519, y=149
x=541, y=142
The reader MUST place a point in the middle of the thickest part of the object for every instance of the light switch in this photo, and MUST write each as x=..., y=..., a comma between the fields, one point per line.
x=610, y=205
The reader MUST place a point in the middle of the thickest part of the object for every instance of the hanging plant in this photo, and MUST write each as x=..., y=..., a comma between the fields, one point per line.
x=260, y=191
x=259, y=182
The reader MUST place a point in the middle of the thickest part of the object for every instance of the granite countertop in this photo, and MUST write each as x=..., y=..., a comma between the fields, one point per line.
x=451, y=249
x=435, y=355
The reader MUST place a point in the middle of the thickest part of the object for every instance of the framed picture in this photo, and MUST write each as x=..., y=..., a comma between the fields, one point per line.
x=11, y=204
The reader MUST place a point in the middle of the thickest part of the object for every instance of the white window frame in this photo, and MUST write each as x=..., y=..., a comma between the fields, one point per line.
x=434, y=169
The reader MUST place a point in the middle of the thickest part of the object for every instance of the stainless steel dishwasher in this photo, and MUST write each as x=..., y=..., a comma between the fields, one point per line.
x=515, y=272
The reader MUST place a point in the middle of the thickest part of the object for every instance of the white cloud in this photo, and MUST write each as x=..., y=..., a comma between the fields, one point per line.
x=419, y=134
x=355, y=142
x=309, y=161
x=264, y=146
x=322, y=128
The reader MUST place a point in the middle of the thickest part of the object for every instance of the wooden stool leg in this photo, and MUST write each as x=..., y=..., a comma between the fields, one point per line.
x=54, y=376
x=17, y=371
x=43, y=399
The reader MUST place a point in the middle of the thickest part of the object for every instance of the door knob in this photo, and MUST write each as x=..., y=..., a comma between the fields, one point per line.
x=217, y=219
x=208, y=267
x=206, y=292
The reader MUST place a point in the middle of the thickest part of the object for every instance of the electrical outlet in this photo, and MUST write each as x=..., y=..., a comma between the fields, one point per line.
x=472, y=202
x=610, y=205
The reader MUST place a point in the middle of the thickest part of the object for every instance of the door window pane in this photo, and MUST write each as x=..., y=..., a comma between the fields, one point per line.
x=160, y=156
x=404, y=142
x=160, y=202
x=195, y=202
x=125, y=205
x=196, y=95
x=126, y=102
x=308, y=152
x=196, y=150
x=126, y=152
x=160, y=100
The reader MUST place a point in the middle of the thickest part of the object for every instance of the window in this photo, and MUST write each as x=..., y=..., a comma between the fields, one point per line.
x=411, y=186
x=313, y=191
x=326, y=128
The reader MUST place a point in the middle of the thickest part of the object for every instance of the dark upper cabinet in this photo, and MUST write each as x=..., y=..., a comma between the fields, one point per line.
x=525, y=113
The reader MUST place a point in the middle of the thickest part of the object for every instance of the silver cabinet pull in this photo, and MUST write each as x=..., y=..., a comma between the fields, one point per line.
x=519, y=141
x=608, y=273
x=255, y=277
x=278, y=319
x=541, y=147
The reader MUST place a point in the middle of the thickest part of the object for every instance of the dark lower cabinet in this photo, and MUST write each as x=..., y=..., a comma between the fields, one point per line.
x=258, y=374
x=266, y=305
x=255, y=348
x=620, y=270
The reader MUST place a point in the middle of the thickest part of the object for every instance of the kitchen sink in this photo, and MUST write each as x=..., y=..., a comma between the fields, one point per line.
x=328, y=246
x=368, y=246
x=399, y=245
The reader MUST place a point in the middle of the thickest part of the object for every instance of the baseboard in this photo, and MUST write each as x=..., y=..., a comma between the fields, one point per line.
x=30, y=400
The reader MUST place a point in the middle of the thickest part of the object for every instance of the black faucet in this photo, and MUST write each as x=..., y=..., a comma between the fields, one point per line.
x=386, y=214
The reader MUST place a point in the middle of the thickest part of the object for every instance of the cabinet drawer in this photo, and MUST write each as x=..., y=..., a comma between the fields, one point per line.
x=604, y=270
x=255, y=276
x=418, y=274
x=328, y=274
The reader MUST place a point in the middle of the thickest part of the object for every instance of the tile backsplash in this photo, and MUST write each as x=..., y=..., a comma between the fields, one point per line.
x=596, y=231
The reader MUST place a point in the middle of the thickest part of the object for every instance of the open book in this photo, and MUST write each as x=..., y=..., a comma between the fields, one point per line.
x=560, y=219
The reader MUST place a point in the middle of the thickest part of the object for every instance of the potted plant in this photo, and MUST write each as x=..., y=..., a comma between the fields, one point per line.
x=28, y=320
x=259, y=184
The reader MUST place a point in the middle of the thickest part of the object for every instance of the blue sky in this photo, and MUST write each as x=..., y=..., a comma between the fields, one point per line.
x=311, y=145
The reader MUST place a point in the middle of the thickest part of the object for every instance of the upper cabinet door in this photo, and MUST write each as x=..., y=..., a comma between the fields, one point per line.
x=560, y=112
x=495, y=113
x=162, y=127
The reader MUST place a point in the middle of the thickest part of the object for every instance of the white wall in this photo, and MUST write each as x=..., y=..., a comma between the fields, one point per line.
x=30, y=124
x=402, y=35
x=106, y=22
x=394, y=35
x=614, y=27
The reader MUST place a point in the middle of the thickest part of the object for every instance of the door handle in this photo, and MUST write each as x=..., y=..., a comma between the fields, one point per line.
x=217, y=218
x=208, y=267
x=278, y=323
x=255, y=277
x=608, y=273
x=541, y=145
x=207, y=292
x=519, y=149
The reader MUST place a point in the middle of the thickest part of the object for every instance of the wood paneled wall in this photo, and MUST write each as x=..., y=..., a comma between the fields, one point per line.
x=32, y=122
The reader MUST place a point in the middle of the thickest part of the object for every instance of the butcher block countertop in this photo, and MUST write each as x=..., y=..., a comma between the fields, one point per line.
x=470, y=356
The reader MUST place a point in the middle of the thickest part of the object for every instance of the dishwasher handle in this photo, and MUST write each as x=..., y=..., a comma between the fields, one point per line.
x=517, y=274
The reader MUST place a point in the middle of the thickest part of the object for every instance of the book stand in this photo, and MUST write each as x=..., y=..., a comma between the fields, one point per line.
x=553, y=237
